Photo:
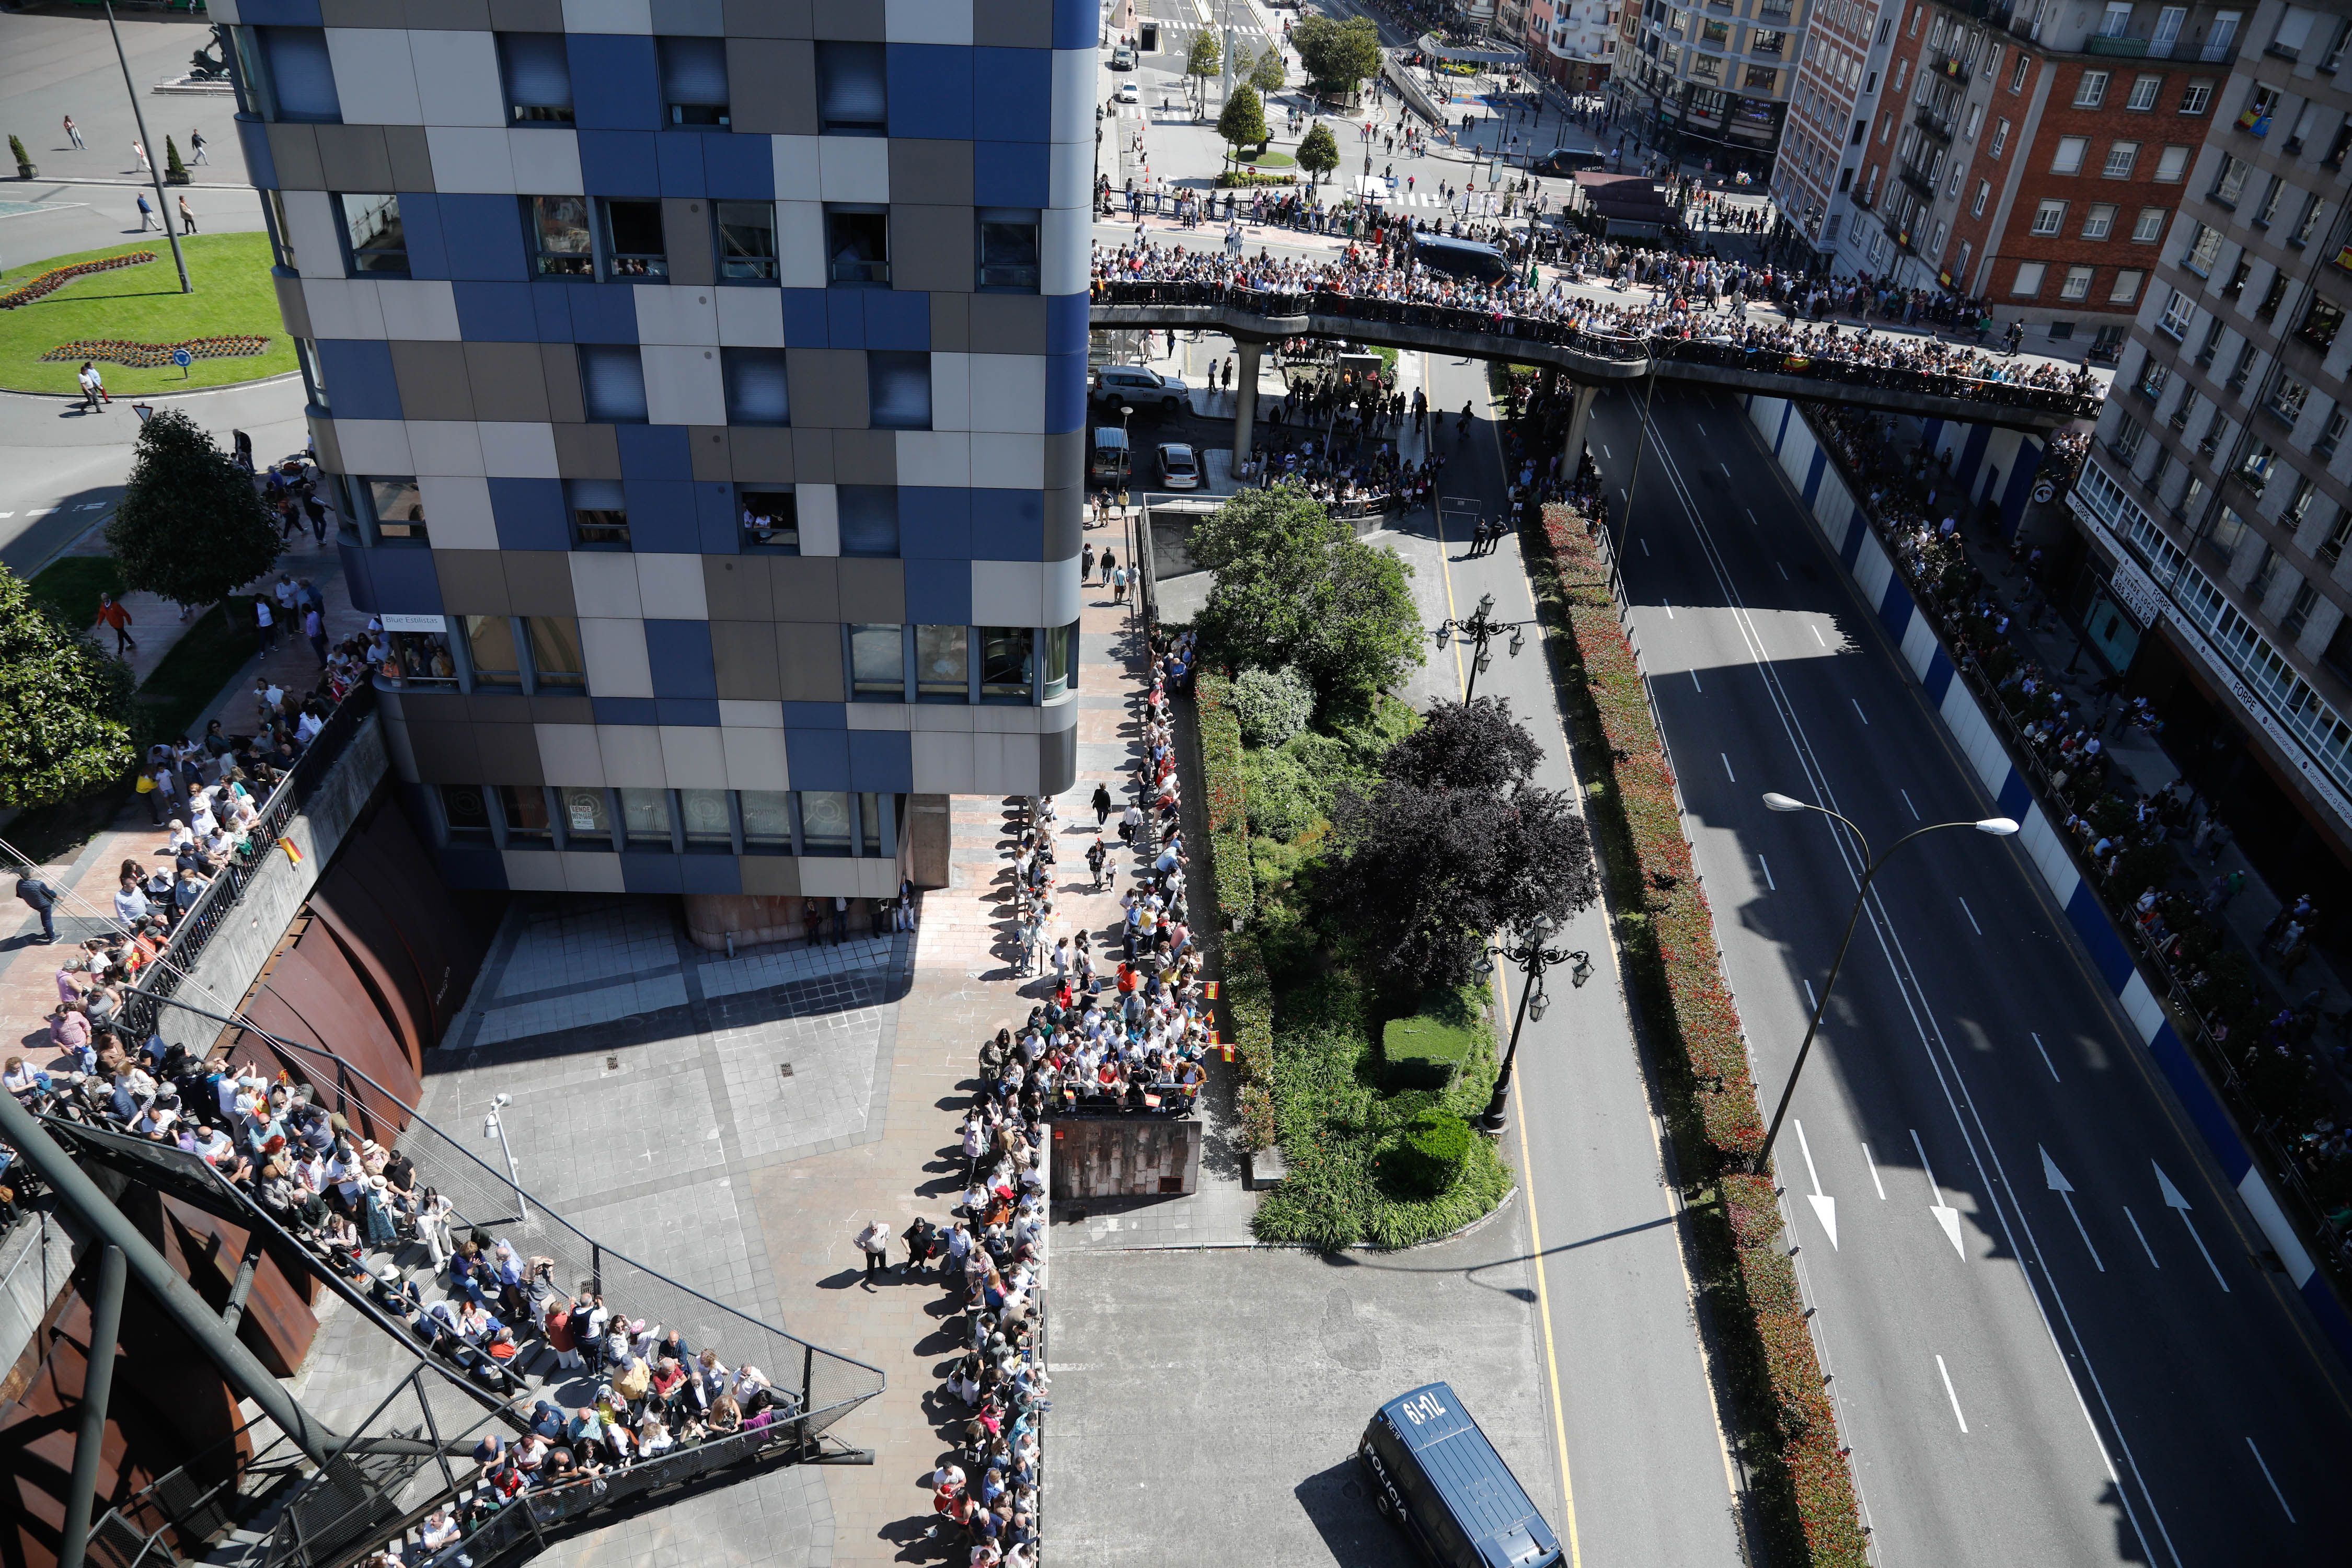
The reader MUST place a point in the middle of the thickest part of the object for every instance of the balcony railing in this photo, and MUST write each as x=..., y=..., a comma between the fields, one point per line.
x=1951, y=67
x=1918, y=179
x=1932, y=124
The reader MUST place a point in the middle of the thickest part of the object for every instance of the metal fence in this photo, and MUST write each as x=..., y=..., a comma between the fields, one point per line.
x=219, y=899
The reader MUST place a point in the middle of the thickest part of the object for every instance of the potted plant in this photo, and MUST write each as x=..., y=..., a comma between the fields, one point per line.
x=176, y=173
x=25, y=170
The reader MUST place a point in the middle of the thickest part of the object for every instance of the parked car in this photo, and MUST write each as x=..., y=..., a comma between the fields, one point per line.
x=1436, y=1478
x=1563, y=162
x=1178, y=468
x=1137, y=384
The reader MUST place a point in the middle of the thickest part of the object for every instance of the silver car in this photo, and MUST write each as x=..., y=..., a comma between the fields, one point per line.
x=1178, y=468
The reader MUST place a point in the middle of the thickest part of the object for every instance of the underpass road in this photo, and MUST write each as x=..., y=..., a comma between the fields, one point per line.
x=2036, y=1356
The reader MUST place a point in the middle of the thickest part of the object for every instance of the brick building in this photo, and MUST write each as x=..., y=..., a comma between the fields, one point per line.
x=2031, y=157
x=1572, y=42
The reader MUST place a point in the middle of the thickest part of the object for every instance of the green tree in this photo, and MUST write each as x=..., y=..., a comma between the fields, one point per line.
x=1200, y=65
x=1242, y=124
x=174, y=171
x=1319, y=151
x=190, y=525
x=63, y=705
x=1266, y=73
x=1338, y=57
x=1295, y=587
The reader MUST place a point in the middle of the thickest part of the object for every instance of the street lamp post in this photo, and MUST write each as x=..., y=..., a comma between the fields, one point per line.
x=154, y=154
x=1477, y=631
x=2000, y=827
x=1532, y=958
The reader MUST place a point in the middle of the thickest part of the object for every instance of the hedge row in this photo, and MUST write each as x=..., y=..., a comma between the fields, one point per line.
x=1247, y=993
x=1673, y=934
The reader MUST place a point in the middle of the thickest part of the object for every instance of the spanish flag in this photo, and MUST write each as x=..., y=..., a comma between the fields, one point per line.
x=293, y=856
x=1209, y=989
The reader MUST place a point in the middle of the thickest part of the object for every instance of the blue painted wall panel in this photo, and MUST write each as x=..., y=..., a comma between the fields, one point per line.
x=601, y=312
x=679, y=155
x=655, y=452
x=405, y=580
x=620, y=163
x=934, y=524
x=1939, y=676
x=738, y=168
x=662, y=519
x=2107, y=950
x=715, y=515
x=1067, y=324
x=645, y=871
x=1011, y=174
x=473, y=866
x=938, y=593
x=881, y=761
x=254, y=137
x=498, y=313
x=1812, y=486
x=1895, y=609
x=616, y=83
x=1066, y=392
x=1008, y=525
x=530, y=514
x=845, y=317
x=623, y=710
x=2015, y=794
x=806, y=320
x=897, y=321
x=2197, y=1098
x=485, y=236
x=708, y=874
x=931, y=91
x=359, y=378
x=817, y=759
x=420, y=226
x=680, y=652
x=1013, y=93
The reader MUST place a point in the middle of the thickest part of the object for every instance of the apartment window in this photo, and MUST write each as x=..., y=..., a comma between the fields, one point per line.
x=2307, y=224
x=755, y=385
x=943, y=664
x=878, y=664
x=2197, y=97
x=708, y=824
x=2077, y=284
x=2231, y=181
x=852, y=89
x=2120, y=158
x=2321, y=323
x=2148, y=228
x=1004, y=663
x=561, y=243
x=1715, y=34
x=2255, y=118
x=1902, y=73
x=524, y=807
x=2154, y=375
x=1960, y=266
x=2333, y=157
x=771, y=520
x=301, y=75
x=747, y=240
x=1061, y=660
x=2288, y=398
x=2332, y=434
x=2127, y=288
x=2072, y=151
x=2017, y=78
x=2099, y=221
x=2143, y=92
x=1761, y=42
x=587, y=818
x=2167, y=29
x=537, y=75
x=1009, y=249
x=898, y=390
x=600, y=513
x=2224, y=33
x=2179, y=311
x=612, y=384
x=1984, y=193
x=858, y=239
x=826, y=822
x=634, y=246
x=694, y=81
x=2255, y=473
x=418, y=658
x=371, y=231
x=396, y=506
x=2117, y=19
x=2028, y=279
x=2271, y=198
x=644, y=817
x=2049, y=217
x=2126, y=443
x=2238, y=276
x=2000, y=137
x=2298, y=613
x=2331, y=548
x=2273, y=296
x=2298, y=505
x=2203, y=248
x=465, y=812
x=767, y=820
x=491, y=648
x=1952, y=186
x=556, y=660
x=868, y=519
x=2172, y=166
x=2335, y=56
x=2092, y=91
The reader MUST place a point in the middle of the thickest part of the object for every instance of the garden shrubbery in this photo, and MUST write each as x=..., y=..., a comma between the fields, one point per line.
x=1435, y=1146
x=1426, y=1049
x=1272, y=704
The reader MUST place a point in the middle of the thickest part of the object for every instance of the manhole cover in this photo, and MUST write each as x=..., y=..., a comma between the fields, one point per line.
x=784, y=1070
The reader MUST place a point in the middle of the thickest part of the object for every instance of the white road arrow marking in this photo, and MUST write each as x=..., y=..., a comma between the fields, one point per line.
x=2173, y=1200
x=1946, y=1215
x=1824, y=1204
x=2065, y=1191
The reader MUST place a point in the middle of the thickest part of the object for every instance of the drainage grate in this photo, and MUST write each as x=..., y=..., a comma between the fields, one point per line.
x=784, y=1070
x=612, y=1064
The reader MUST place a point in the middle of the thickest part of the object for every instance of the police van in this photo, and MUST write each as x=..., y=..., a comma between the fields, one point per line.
x=1436, y=1475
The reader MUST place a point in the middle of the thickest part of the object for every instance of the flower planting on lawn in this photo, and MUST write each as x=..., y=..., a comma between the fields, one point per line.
x=57, y=277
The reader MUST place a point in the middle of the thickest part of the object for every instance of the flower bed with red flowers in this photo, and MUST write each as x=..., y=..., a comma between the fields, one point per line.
x=154, y=356
x=57, y=277
x=1804, y=1486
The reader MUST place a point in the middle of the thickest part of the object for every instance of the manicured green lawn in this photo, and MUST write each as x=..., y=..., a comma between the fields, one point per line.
x=73, y=583
x=144, y=304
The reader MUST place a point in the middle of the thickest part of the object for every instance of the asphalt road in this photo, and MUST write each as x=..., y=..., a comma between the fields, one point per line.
x=2026, y=1374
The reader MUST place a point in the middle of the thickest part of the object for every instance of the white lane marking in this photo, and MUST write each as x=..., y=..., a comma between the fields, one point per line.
x=1604, y=451
x=2144, y=1246
x=1858, y=713
x=2046, y=1061
x=2065, y=1191
x=1701, y=428
x=1784, y=571
x=7, y=514
x=1811, y=1002
x=90, y=506
x=1767, y=867
x=1726, y=769
x=1817, y=636
x=1751, y=515
x=1973, y=916
x=2274, y=1485
x=1906, y=801
x=40, y=511
x=1873, y=1173
x=1645, y=547
x=1694, y=675
x=1951, y=1395
x=1726, y=467
x=1824, y=1205
x=2173, y=1200
x=1946, y=1215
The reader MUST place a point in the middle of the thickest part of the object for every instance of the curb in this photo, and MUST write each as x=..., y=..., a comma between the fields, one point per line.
x=161, y=396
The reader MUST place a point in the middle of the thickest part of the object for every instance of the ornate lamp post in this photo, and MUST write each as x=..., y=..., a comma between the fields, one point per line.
x=1479, y=630
x=1532, y=957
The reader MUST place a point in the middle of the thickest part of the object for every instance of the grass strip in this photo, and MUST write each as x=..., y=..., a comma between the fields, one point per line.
x=234, y=296
x=72, y=585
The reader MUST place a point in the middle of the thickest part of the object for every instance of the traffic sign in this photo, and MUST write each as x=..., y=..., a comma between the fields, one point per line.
x=184, y=359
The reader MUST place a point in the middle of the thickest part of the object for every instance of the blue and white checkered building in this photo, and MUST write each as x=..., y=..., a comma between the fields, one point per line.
x=704, y=385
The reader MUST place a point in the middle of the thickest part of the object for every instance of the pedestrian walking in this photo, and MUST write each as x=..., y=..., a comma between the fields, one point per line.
x=875, y=1242
x=1086, y=563
x=139, y=151
x=93, y=386
x=111, y=613
x=73, y=134
x=37, y=894
x=314, y=627
x=1119, y=586
x=146, y=215
x=265, y=623
x=197, y=145
x=187, y=217
x=1101, y=803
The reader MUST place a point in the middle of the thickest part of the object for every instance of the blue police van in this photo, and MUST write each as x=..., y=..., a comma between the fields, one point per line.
x=1436, y=1476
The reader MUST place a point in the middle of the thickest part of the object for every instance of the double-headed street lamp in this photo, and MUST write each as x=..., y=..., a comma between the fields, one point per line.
x=2000, y=827
x=1479, y=630
x=1532, y=958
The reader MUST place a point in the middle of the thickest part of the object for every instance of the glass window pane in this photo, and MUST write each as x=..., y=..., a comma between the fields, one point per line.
x=413, y=659
x=555, y=651
x=585, y=814
x=612, y=383
x=943, y=663
x=645, y=814
x=747, y=239
x=857, y=242
x=869, y=824
x=868, y=516
x=559, y=238
x=694, y=79
x=767, y=818
x=633, y=246
x=489, y=642
x=770, y=520
x=878, y=664
x=824, y=822
x=1008, y=249
x=464, y=810
x=853, y=88
x=898, y=390
x=378, y=246
x=757, y=391
x=398, y=505
x=301, y=74
x=1061, y=660
x=705, y=811
x=599, y=512
x=1004, y=662
x=538, y=77
x=525, y=806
